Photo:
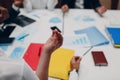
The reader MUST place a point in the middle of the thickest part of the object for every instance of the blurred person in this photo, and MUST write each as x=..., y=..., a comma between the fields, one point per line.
x=3, y=14
x=14, y=10
x=91, y=4
x=11, y=8
x=29, y=5
x=18, y=69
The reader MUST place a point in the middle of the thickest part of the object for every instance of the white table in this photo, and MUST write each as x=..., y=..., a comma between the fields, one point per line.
x=40, y=31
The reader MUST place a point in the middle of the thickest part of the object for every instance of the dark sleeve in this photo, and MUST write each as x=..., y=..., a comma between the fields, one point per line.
x=70, y=3
x=13, y=14
x=91, y=4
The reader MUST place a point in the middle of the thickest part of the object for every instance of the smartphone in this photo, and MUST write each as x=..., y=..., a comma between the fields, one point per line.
x=99, y=58
x=6, y=40
x=55, y=27
x=7, y=31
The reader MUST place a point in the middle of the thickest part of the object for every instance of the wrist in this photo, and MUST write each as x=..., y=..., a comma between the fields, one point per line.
x=46, y=53
x=74, y=70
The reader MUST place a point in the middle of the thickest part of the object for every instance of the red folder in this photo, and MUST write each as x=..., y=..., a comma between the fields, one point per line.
x=32, y=55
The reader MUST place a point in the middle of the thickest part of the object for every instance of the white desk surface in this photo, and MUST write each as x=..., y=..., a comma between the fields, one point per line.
x=40, y=31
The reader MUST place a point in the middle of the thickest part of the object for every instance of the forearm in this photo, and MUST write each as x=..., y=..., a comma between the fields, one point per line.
x=13, y=13
x=96, y=4
x=42, y=70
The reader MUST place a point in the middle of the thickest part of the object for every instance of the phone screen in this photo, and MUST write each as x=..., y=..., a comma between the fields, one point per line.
x=54, y=27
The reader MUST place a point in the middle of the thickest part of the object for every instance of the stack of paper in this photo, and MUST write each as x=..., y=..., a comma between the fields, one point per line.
x=95, y=36
x=114, y=34
x=60, y=63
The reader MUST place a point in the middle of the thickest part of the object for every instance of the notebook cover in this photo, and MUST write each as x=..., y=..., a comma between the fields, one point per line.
x=60, y=63
x=32, y=55
x=114, y=34
x=99, y=58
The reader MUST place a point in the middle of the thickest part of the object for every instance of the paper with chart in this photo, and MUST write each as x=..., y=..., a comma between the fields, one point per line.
x=95, y=36
x=81, y=40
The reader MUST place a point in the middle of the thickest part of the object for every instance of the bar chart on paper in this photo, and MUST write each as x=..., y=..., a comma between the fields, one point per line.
x=81, y=40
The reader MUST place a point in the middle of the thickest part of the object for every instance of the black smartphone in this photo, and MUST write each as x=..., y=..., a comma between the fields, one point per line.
x=6, y=40
x=55, y=27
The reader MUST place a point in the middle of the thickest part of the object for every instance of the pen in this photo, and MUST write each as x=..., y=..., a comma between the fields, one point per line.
x=39, y=51
x=23, y=36
x=87, y=51
x=37, y=16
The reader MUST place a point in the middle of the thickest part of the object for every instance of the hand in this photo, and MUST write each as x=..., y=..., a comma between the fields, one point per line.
x=101, y=10
x=54, y=42
x=3, y=14
x=75, y=62
x=65, y=8
x=18, y=3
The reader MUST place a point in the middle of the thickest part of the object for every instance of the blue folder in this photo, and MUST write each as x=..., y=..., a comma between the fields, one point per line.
x=95, y=36
x=114, y=35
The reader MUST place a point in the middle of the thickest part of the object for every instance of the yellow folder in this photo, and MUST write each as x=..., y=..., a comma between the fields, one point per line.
x=59, y=66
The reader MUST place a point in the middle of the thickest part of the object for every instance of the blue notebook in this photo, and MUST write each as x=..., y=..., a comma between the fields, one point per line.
x=95, y=36
x=114, y=34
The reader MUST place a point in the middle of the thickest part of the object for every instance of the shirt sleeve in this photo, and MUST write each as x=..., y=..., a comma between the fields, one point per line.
x=15, y=7
x=28, y=73
x=27, y=5
x=73, y=75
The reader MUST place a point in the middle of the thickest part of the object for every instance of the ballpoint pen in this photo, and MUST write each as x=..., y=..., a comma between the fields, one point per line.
x=39, y=51
x=87, y=51
x=23, y=36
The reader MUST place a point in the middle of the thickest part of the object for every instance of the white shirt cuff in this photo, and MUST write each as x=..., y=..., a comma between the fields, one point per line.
x=15, y=7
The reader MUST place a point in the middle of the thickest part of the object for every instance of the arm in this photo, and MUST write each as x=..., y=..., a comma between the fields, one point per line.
x=101, y=10
x=54, y=42
x=66, y=4
x=94, y=4
x=75, y=63
x=69, y=3
x=98, y=7
x=12, y=14
x=14, y=11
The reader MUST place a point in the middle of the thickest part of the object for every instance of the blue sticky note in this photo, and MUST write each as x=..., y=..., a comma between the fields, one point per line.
x=77, y=18
x=4, y=47
x=55, y=20
x=88, y=19
x=17, y=53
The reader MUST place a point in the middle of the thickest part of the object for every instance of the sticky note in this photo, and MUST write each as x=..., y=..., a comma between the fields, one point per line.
x=4, y=47
x=77, y=18
x=88, y=19
x=55, y=20
x=17, y=53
